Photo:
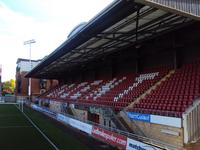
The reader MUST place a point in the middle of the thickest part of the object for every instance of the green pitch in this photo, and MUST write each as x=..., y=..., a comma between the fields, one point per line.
x=17, y=133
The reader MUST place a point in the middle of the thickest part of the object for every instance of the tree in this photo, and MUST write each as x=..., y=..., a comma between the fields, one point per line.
x=8, y=87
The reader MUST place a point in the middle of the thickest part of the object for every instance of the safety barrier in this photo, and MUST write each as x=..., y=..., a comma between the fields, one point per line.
x=112, y=136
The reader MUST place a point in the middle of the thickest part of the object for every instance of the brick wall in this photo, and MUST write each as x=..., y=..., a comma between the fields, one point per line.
x=22, y=85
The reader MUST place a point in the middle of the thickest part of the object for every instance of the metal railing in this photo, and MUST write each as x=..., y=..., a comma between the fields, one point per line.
x=191, y=123
x=8, y=99
x=143, y=139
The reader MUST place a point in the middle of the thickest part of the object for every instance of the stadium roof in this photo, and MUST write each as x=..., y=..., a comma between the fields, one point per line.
x=124, y=23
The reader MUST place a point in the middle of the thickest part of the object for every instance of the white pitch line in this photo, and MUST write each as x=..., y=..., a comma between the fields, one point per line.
x=56, y=148
x=38, y=129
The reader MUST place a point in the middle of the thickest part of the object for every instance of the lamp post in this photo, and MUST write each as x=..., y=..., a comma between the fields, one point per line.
x=29, y=42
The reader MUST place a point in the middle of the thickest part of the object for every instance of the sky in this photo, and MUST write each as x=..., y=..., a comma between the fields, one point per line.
x=48, y=22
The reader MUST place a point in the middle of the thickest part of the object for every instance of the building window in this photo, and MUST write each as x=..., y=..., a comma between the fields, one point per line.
x=43, y=83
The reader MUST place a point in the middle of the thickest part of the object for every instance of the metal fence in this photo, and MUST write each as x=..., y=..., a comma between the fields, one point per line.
x=150, y=141
x=8, y=99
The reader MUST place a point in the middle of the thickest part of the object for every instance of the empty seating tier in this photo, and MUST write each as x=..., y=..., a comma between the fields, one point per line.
x=174, y=95
x=117, y=93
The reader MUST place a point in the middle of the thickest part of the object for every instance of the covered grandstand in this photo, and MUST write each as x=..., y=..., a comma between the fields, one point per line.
x=134, y=67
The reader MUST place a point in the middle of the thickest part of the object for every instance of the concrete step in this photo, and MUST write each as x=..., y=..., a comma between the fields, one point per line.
x=125, y=124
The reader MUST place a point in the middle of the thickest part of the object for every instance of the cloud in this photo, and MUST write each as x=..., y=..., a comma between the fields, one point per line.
x=49, y=23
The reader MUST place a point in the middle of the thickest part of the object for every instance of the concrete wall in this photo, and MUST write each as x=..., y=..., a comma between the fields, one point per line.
x=190, y=53
x=81, y=114
x=88, y=75
x=124, y=65
x=155, y=131
x=156, y=60
x=103, y=71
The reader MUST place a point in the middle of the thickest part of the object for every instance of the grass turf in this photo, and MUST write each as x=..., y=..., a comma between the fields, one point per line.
x=61, y=139
x=16, y=133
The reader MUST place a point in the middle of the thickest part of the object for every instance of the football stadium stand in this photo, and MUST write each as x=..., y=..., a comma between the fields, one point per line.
x=133, y=68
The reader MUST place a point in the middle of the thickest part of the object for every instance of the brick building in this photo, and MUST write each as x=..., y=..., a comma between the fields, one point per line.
x=38, y=86
x=0, y=79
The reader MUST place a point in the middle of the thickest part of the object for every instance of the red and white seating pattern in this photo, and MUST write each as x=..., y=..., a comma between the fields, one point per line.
x=173, y=96
x=117, y=92
x=138, y=81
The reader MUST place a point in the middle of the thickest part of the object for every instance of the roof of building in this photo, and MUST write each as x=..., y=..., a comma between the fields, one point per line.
x=23, y=59
x=121, y=24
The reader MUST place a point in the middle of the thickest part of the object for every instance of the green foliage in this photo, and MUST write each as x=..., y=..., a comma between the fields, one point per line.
x=8, y=87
